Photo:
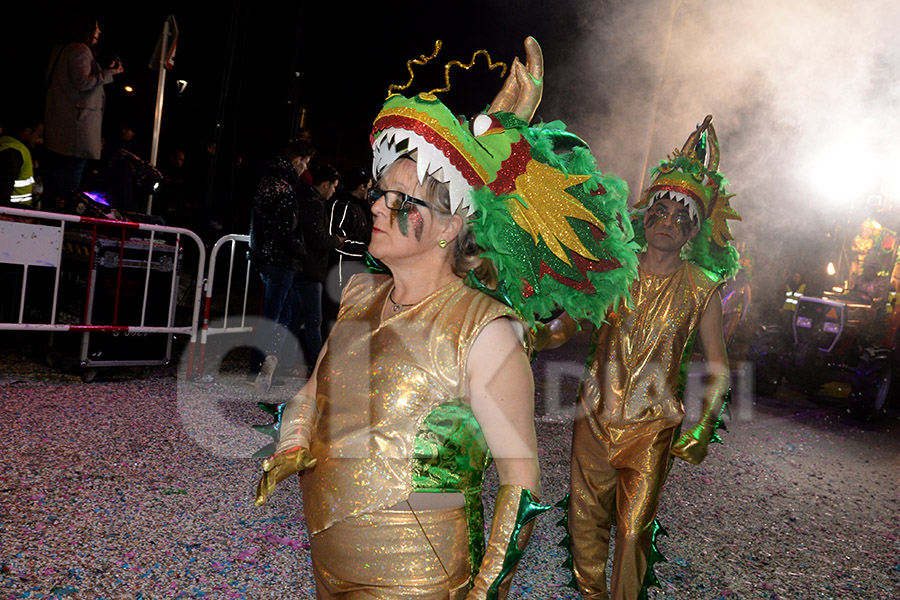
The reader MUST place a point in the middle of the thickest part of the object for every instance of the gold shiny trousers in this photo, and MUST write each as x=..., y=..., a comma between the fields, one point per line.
x=617, y=476
x=386, y=555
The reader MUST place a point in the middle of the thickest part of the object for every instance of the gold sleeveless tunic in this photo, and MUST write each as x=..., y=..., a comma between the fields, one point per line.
x=636, y=360
x=377, y=384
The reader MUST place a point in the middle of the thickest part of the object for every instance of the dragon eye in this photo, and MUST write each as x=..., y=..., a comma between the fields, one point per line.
x=483, y=124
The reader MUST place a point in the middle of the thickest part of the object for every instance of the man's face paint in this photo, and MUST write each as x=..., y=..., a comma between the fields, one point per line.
x=681, y=217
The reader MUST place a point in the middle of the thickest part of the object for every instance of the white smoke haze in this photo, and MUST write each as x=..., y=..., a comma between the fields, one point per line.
x=805, y=96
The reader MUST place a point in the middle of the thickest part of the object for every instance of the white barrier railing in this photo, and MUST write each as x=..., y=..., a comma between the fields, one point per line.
x=39, y=239
x=239, y=321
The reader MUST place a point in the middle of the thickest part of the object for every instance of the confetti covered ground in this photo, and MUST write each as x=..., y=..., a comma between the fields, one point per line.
x=142, y=488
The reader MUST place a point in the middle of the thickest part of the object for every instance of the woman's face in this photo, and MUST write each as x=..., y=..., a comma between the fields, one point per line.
x=95, y=36
x=408, y=232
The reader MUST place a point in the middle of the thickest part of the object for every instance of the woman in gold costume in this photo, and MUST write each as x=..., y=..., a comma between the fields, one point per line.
x=407, y=343
x=425, y=376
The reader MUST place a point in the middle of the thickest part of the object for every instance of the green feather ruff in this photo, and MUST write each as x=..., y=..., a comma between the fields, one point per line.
x=518, y=260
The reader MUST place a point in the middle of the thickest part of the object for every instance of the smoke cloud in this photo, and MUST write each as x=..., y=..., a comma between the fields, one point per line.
x=804, y=95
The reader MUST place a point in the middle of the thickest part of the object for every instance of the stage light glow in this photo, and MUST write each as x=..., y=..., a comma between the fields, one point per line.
x=129, y=89
x=851, y=153
x=831, y=270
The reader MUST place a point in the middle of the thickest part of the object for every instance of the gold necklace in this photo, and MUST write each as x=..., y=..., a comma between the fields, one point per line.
x=396, y=306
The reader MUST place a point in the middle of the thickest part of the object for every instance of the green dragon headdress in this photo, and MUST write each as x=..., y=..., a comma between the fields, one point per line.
x=691, y=176
x=555, y=227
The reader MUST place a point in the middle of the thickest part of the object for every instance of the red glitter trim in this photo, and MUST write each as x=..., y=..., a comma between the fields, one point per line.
x=583, y=265
x=597, y=233
x=455, y=157
x=527, y=290
x=512, y=167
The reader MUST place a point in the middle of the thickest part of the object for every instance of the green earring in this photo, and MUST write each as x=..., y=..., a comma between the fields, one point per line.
x=442, y=243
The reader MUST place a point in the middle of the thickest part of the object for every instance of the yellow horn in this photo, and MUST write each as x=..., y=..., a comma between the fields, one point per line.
x=713, y=148
x=521, y=92
x=692, y=140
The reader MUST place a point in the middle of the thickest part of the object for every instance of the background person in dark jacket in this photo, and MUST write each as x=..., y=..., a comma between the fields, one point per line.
x=351, y=216
x=277, y=250
x=320, y=242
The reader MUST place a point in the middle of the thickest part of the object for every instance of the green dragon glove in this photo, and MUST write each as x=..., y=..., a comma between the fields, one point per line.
x=692, y=446
x=514, y=513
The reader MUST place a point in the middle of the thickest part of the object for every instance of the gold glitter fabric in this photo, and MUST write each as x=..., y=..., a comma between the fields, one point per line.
x=633, y=370
x=629, y=405
x=393, y=554
x=376, y=385
x=614, y=480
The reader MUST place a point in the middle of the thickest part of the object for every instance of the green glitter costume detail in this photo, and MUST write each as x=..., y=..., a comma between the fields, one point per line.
x=576, y=253
x=451, y=455
x=528, y=511
x=655, y=556
x=272, y=430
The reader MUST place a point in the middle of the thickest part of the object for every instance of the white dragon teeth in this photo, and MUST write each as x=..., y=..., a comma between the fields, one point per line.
x=421, y=168
x=438, y=174
x=683, y=199
x=429, y=161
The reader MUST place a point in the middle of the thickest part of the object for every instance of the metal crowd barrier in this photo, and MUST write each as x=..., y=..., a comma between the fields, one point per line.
x=106, y=260
x=238, y=322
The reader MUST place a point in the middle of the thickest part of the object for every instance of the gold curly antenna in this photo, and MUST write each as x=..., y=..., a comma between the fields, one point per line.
x=422, y=60
x=455, y=63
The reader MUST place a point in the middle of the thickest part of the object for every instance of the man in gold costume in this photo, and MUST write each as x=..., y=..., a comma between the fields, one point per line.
x=629, y=409
x=425, y=376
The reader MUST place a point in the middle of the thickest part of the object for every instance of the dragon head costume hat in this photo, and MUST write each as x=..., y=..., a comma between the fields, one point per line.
x=691, y=177
x=554, y=226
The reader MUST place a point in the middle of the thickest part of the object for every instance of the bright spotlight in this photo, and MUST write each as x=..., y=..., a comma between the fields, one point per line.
x=182, y=83
x=129, y=89
x=831, y=270
x=849, y=151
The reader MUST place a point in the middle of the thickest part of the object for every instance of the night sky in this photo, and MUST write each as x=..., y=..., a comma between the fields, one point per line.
x=806, y=100
x=239, y=59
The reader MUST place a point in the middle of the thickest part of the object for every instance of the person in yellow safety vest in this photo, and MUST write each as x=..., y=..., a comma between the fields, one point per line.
x=17, y=166
x=793, y=290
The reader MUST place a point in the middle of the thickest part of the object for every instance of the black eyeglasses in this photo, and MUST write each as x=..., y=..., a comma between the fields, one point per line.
x=393, y=199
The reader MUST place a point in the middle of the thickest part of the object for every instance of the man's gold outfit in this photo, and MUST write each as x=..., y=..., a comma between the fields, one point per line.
x=629, y=407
